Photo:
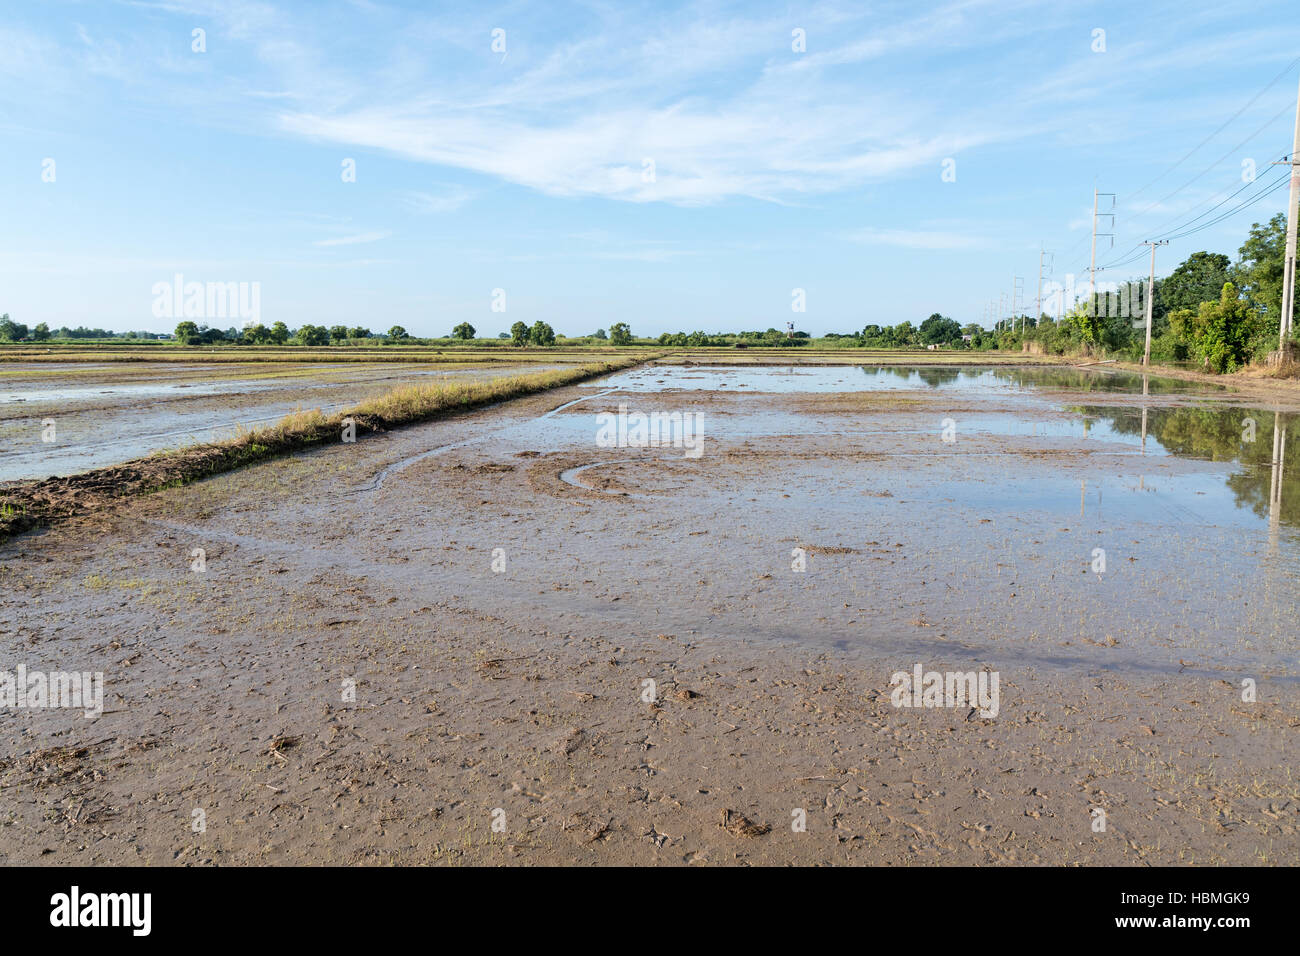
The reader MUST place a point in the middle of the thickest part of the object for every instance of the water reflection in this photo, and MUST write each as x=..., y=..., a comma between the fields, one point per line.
x=870, y=378
x=1073, y=379
x=1255, y=439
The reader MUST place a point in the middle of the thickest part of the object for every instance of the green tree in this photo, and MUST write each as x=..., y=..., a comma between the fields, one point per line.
x=339, y=333
x=397, y=333
x=358, y=332
x=599, y=334
x=278, y=333
x=1220, y=333
x=901, y=336
x=1258, y=272
x=871, y=337
x=519, y=334
x=620, y=334
x=1199, y=278
x=464, y=332
x=1086, y=322
x=313, y=335
x=11, y=331
x=186, y=332
x=939, y=330
x=541, y=333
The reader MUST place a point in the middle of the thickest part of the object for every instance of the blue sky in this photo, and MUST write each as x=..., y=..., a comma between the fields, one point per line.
x=525, y=170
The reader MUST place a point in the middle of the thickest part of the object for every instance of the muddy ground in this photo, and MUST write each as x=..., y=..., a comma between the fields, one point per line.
x=499, y=589
x=105, y=413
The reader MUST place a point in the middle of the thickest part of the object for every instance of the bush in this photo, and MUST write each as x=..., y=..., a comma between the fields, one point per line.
x=541, y=334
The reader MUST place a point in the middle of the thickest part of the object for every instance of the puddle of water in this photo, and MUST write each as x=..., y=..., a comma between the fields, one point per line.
x=105, y=424
x=159, y=389
x=149, y=390
x=789, y=379
x=1261, y=449
x=1251, y=457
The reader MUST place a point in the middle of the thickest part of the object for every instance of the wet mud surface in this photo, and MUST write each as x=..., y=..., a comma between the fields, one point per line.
x=498, y=588
x=103, y=414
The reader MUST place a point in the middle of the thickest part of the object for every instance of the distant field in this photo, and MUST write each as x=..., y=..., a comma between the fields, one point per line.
x=487, y=353
x=812, y=356
x=108, y=412
x=376, y=353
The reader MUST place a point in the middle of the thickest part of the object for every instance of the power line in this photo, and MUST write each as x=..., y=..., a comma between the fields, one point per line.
x=1211, y=166
x=1207, y=169
x=1122, y=259
x=1251, y=102
x=1267, y=191
x=1286, y=181
x=1267, y=186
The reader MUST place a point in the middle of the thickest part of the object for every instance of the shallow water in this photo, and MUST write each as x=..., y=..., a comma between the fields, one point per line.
x=843, y=378
x=1246, y=479
x=983, y=546
x=132, y=411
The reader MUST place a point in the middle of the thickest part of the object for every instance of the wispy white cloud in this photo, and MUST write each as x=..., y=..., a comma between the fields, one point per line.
x=708, y=101
x=936, y=239
x=716, y=99
x=355, y=240
x=443, y=199
x=698, y=156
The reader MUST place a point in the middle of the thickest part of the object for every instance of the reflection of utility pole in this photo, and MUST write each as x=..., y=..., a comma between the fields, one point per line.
x=1288, y=261
x=1151, y=296
x=1144, y=412
x=1279, y=450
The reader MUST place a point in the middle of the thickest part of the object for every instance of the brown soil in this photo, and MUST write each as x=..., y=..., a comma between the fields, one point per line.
x=503, y=717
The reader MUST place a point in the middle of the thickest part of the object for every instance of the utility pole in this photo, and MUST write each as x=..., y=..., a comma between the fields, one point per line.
x=1002, y=306
x=1151, y=298
x=1092, y=264
x=1017, y=292
x=1288, y=262
x=1038, y=299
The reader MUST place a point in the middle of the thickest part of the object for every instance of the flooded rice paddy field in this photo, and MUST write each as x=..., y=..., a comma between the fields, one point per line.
x=106, y=413
x=499, y=587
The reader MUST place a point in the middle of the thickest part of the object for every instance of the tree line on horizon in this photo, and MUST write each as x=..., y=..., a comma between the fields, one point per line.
x=1211, y=311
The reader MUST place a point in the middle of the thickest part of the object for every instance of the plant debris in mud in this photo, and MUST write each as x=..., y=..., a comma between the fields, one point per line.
x=737, y=824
